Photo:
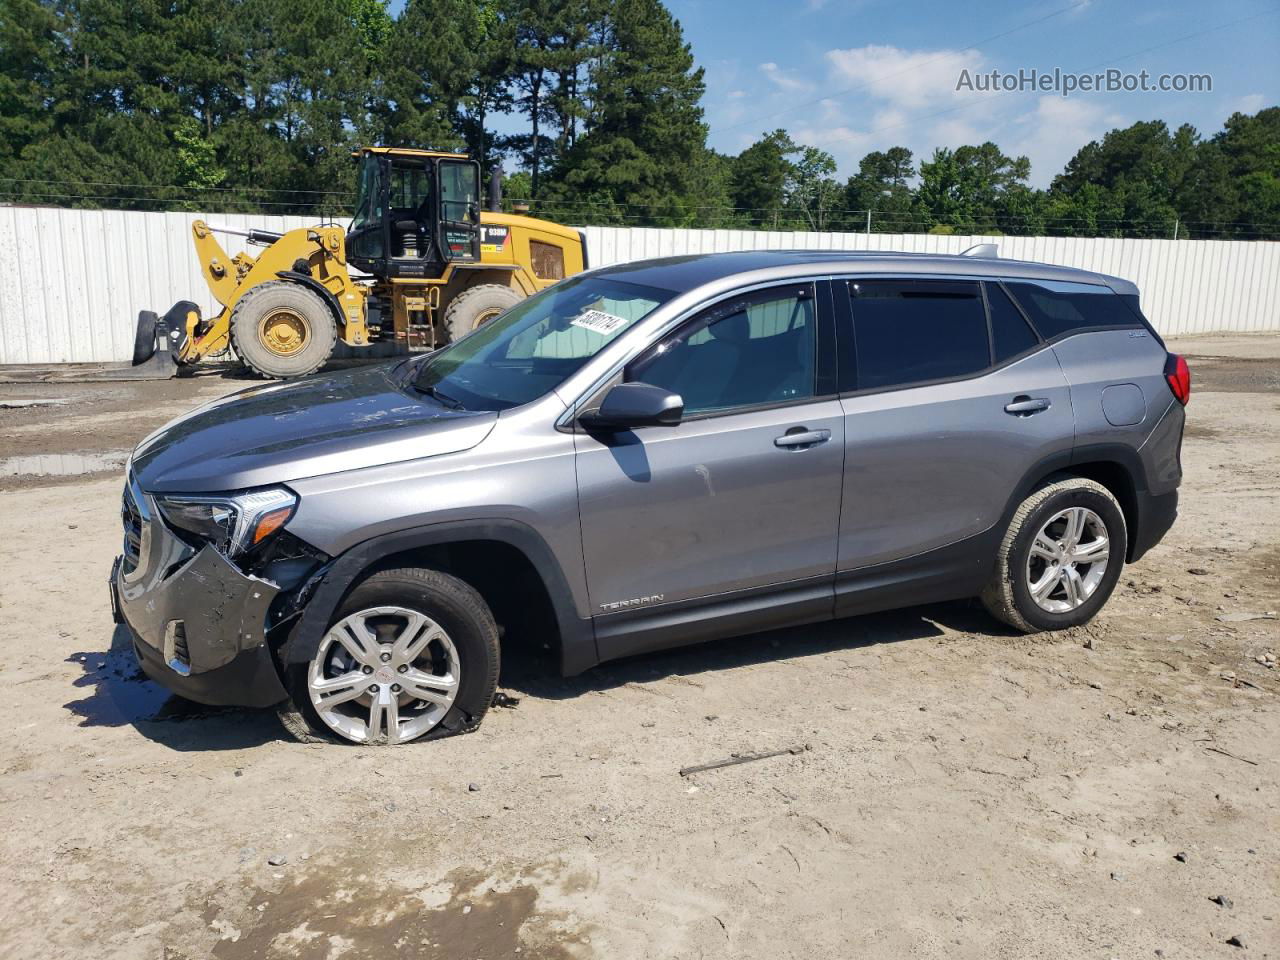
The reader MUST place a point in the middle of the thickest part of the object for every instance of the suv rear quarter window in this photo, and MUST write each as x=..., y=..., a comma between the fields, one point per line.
x=1058, y=308
x=1010, y=334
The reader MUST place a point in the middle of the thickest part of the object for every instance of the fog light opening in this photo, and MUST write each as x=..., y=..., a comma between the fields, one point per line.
x=176, y=654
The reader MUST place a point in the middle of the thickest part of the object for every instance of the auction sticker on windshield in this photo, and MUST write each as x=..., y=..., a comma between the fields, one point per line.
x=598, y=321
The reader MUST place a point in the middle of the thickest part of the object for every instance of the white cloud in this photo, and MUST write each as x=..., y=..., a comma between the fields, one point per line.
x=783, y=79
x=910, y=79
x=1249, y=103
x=1054, y=131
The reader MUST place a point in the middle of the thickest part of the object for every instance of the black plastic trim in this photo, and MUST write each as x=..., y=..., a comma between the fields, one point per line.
x=950, y=572
x=249, y=680
x=577, y=640
x=1156, y=515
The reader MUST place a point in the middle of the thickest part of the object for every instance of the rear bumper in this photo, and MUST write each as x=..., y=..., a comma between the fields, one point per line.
x=197, y=623
x=1155, y=515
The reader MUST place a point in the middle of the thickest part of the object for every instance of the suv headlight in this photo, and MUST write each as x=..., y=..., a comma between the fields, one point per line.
x=234, y=524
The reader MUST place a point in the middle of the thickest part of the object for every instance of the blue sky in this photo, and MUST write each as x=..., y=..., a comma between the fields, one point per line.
x=862, y=75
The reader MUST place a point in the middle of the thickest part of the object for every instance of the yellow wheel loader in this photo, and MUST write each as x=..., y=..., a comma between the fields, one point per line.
x=420, y=265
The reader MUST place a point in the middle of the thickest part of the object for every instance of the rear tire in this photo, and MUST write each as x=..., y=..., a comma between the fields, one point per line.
x=476, y=306
x=456, y=669
x=281, y=329
x=1060, y=558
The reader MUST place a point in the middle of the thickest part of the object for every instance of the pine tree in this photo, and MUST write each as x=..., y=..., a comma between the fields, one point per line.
x=645, y=137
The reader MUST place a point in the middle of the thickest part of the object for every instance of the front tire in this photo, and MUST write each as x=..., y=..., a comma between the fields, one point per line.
x=1060, y=559
x=281, y=330
x=412, y=654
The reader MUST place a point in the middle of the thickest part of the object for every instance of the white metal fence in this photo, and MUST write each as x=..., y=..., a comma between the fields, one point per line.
x=72, y=281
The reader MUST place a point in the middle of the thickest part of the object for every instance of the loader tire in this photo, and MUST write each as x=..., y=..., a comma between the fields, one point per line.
x=144, y=337
x=282, y=330
x=476, y=306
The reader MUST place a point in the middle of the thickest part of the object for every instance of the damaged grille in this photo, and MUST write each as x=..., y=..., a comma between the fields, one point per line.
x=132, y=518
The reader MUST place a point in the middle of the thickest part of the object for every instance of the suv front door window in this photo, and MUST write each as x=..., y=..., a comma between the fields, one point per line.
x=758, y=351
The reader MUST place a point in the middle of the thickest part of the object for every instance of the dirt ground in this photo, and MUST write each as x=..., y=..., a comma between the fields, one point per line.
x=963, y=792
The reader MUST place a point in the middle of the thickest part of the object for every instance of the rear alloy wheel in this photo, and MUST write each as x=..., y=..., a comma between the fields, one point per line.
x=1061, y=557
x=1067, y=559
x=411, y=654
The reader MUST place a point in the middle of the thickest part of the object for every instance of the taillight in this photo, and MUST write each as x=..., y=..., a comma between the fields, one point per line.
x=1178, y=374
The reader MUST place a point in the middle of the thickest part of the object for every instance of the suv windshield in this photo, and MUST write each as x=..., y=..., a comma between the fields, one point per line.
x=537, y=344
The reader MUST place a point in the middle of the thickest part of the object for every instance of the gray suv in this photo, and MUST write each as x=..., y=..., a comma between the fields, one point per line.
x=649, y=455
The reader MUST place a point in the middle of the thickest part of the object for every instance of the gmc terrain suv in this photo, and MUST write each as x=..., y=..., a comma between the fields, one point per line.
x=648, y=455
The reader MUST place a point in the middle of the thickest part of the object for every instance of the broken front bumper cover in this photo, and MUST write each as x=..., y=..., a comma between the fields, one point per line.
x=198, y=623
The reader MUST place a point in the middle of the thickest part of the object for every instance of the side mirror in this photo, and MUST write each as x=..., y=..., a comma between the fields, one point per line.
x=630, y=405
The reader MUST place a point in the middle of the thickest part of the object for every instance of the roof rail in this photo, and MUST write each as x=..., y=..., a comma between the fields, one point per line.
x=987, y=250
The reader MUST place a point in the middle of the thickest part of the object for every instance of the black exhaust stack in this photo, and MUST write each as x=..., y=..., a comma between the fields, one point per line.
x=495, y=188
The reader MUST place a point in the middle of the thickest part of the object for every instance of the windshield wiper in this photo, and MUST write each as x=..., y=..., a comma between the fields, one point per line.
x=443, y=397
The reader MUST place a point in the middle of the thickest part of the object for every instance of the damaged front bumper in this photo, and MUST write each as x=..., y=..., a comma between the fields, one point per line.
x=198, y=624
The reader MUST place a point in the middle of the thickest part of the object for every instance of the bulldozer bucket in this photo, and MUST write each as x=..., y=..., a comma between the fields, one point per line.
x=154, y=356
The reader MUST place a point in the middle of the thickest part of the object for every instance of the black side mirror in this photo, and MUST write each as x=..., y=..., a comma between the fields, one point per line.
x=630, y=405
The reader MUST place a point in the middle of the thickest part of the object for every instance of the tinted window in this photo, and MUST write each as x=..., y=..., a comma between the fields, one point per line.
x=1056, y=308
x=911, y=331
x=741, y=354
x=1010, y=334
x=459, y=190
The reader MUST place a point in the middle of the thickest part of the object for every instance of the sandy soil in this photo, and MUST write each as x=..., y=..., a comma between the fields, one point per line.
x=964, y=792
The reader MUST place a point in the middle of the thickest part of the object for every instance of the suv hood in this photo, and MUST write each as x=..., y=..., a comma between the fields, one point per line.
x=278, y=432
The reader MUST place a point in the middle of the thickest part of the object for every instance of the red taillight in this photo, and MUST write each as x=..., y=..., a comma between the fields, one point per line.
x=1178, y=374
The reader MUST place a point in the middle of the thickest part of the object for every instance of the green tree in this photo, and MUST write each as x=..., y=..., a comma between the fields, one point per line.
x=969, y=188
x=759, y=179
x=881, y=188
x=812, y=192
x=1140, y=172
x=644, y=142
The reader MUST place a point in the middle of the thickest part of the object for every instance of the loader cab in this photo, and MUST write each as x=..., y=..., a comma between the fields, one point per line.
x=416, y=212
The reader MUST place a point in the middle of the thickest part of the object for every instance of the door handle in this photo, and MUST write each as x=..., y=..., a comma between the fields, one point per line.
x=798, y=438
x=1024, y=406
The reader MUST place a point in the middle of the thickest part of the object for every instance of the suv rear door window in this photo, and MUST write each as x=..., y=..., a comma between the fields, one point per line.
x=1058, y=308
x=917, y=331
x=750, y=352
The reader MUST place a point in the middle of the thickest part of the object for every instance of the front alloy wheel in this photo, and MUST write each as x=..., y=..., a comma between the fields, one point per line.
x=412, y=654
x=384, y=673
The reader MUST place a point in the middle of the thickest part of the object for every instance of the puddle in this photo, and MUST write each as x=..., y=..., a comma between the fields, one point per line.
x=120, y=693
x=343, y=911
x=62, y=464
x=16, y=403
